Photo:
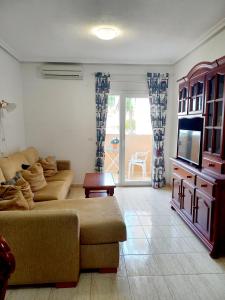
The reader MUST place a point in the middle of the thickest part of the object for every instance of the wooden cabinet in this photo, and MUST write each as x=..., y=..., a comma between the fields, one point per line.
x=198, y=186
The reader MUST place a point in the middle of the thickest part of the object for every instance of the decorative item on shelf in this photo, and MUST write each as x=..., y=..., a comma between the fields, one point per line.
x=8, y=107
x=115, y=143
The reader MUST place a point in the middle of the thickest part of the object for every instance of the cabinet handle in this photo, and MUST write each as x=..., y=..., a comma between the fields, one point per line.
x=211, y=165
x=175, y=169
x=189, y=176
x=195, y=207
x=204, y=185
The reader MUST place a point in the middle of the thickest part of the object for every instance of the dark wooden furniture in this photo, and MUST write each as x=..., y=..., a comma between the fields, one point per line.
x=7, y=266
x=198, y=192
x=98, y=185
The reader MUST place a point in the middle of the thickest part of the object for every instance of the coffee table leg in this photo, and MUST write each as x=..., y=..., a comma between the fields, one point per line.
x=87, y=193
x=110, y=192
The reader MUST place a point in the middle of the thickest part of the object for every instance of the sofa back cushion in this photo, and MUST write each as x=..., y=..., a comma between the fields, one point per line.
x=31, y=154
x=12, y=164
x=2, y=178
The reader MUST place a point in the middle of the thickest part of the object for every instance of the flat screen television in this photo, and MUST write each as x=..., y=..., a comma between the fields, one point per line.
x=189, y=145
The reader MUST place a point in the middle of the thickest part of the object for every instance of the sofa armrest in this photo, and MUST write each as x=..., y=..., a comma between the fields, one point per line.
x=46, y=245
x=63, y=165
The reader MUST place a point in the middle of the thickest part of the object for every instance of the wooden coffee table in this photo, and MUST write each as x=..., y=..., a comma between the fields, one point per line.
x=98, y=185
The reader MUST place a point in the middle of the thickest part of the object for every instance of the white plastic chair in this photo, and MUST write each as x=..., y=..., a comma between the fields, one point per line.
x=138, y=159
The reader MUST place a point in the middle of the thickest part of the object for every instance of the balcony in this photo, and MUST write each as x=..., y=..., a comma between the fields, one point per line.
x=134, y=143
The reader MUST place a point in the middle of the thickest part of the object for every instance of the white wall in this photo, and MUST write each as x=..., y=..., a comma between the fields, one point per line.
x=60, y=114
x=209, y=51
x=11, y=90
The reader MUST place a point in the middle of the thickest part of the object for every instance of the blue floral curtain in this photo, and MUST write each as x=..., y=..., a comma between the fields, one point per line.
x=102, y=87
x=158, y=86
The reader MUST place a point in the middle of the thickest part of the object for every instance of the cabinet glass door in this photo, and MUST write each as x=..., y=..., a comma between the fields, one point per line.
x=196, y=96
x=214, y=114
x=183, y=98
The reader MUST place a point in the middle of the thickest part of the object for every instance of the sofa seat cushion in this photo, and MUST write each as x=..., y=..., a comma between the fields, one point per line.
x=54, y=190
x=64, y=175
x=101, y=221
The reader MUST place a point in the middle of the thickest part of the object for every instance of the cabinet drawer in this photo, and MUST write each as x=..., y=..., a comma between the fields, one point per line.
x=205, y=186
x=187, y=176
x=213, y=166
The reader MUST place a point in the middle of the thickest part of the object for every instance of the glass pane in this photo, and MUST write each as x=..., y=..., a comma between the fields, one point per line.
x=217, y=140
x=184, y=92
x=180, y=106
x=209, y=140
x=210, y=114
x=197, y=103
x=184, y=106
x=112, y=137
x=138, y=140
x=194, y=90
x=211, y=89
x=180, y=95
x=191, y=108
x=219, y=113
x=200, y=88
x=220, y=86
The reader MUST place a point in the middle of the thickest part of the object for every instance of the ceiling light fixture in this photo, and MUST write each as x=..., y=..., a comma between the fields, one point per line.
x=106, y=32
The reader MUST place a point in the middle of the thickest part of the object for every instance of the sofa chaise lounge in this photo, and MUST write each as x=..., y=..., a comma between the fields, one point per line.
x=57, y=238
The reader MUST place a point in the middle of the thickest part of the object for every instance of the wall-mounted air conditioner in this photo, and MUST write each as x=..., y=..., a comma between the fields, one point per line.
x=62, y=71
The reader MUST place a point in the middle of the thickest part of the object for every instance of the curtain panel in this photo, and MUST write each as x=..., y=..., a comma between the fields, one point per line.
x=102, y=88
x=158, y=89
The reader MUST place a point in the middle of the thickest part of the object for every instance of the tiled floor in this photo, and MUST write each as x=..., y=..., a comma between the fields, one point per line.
x=161, y=259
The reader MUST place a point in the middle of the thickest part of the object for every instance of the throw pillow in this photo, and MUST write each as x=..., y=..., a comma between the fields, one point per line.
x=13, y=180
x=49, y=166
x=35, y=177
x=11, y=198
x=26, y=191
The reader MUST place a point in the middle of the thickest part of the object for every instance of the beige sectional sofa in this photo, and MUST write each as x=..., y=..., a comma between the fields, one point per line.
x=57, y=238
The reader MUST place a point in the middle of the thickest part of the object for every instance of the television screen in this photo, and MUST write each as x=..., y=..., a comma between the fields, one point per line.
x=189, y=144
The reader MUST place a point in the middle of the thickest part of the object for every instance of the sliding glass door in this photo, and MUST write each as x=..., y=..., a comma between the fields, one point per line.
x=128, y=146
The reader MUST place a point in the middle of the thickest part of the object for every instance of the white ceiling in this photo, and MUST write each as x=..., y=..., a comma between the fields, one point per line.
x=153, y=31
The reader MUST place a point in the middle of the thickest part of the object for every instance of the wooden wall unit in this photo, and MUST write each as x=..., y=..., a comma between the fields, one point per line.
x=198, y=193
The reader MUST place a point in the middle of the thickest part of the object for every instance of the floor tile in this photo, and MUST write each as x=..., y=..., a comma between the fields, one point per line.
x=141, y=265
x=208, y=286
x=136, y=246
x=81, y=292
x=121, y=271
x=109, y=287
x=181, y=288
x=149, y=288
x=29, y=293
x=132, y=220
x=135, y=232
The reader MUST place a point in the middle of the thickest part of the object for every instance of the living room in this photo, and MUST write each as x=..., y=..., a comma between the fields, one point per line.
x=151, y=251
